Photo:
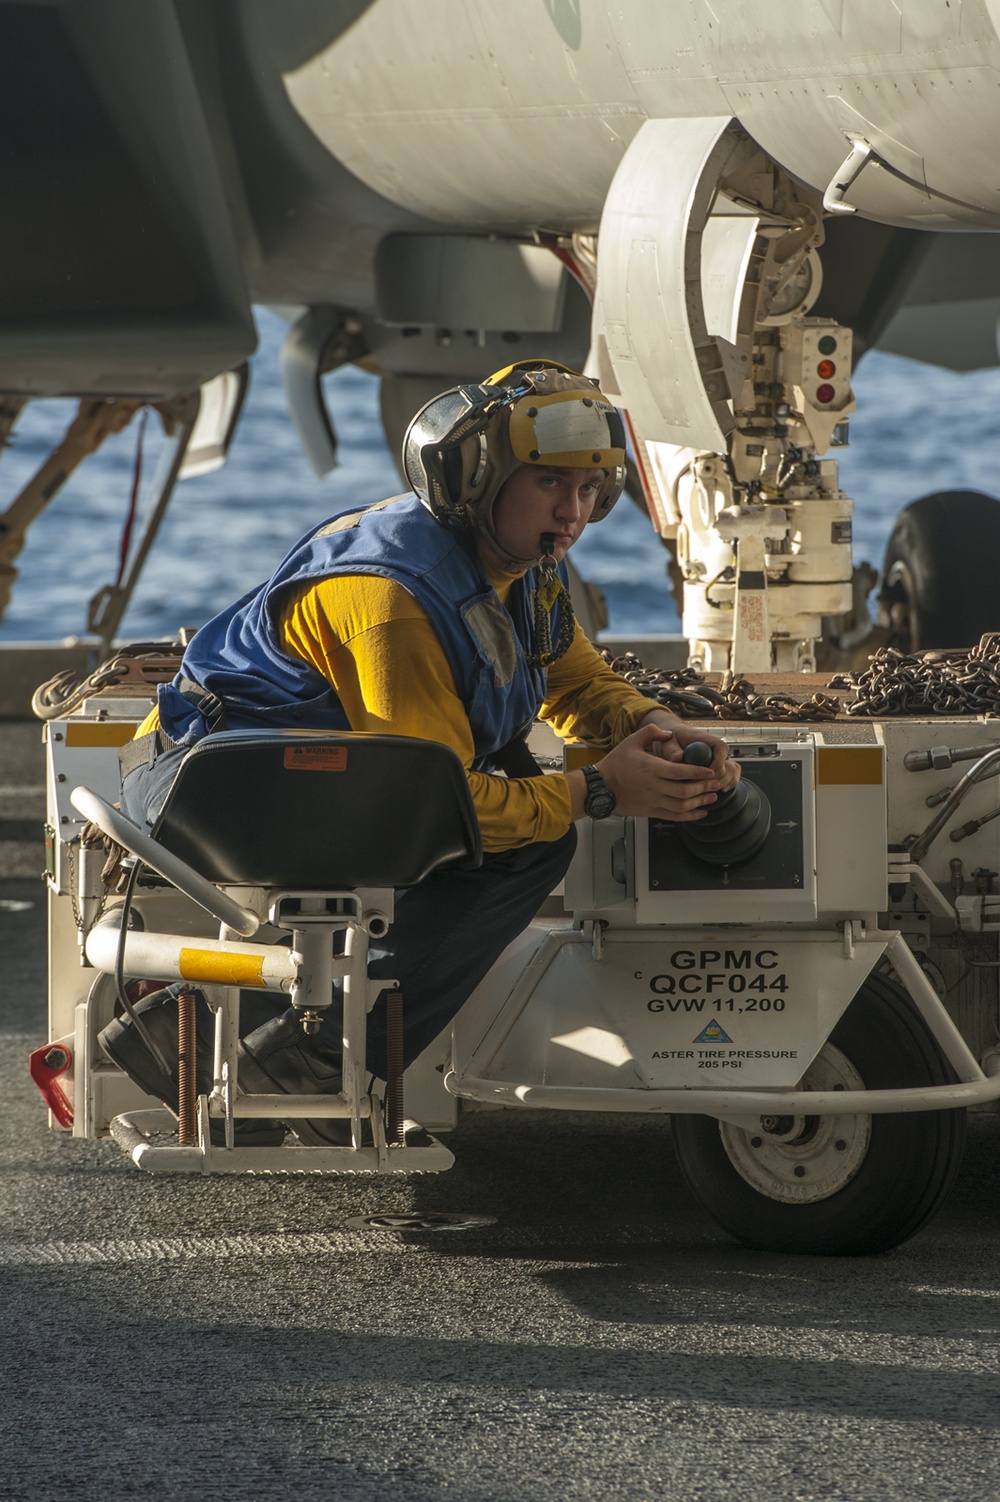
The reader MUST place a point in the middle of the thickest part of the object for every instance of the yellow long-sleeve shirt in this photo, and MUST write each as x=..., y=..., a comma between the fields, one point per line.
x=375, y=645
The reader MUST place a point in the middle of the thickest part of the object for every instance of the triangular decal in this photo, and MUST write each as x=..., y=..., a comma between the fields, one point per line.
x=713, y=1033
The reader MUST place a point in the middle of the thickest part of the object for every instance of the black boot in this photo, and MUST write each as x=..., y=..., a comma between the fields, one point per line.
x=126, y=1047
x=280, y=1056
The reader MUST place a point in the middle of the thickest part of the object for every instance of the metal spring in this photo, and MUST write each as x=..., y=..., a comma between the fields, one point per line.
x=186, y=1064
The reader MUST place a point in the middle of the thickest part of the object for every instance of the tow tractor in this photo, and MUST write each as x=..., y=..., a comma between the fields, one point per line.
x=805, y=983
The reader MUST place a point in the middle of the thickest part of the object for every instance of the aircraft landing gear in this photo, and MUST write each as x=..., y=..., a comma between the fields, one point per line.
x=835, y=1186
x=939, y=574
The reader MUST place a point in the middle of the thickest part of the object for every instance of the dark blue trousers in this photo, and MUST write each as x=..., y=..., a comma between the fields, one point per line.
x=448, y=930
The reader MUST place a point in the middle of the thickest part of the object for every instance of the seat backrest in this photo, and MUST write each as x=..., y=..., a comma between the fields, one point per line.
x=312, y=811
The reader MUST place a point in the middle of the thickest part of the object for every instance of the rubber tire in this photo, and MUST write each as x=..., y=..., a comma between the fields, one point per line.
x=940, y=564
x=909, y=1167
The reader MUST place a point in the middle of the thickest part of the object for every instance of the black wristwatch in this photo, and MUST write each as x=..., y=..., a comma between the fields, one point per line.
x=600, y=800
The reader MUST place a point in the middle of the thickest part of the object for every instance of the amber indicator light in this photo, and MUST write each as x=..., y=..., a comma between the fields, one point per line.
x=826, y=370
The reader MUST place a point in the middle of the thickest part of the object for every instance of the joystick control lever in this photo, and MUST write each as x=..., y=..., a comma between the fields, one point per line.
x=735, y=826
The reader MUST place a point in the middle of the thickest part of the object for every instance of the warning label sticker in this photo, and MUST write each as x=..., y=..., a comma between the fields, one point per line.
x=751, y=613
x=315, y=758
x=713, y=1033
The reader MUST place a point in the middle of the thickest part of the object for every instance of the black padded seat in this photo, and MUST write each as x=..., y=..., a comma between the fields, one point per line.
x=311, y=811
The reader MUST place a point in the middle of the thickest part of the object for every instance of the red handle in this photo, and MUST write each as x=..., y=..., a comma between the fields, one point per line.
x=46, y=1065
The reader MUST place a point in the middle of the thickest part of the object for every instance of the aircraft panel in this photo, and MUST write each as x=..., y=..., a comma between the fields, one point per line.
x=457, y=100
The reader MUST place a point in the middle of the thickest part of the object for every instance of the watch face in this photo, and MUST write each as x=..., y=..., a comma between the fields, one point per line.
x=600, y=800
x=600, y=805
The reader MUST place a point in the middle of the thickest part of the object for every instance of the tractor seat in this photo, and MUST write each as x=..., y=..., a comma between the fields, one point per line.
x=312, y=810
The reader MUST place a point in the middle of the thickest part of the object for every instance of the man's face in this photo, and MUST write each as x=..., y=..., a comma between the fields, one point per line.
x=538, y=499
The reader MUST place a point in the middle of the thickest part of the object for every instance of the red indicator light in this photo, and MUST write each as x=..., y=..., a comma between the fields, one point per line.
x=826, y=370
x=825, y=394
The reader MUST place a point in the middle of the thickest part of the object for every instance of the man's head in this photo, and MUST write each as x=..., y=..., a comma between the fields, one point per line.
x=465, y=445
x=551, y=501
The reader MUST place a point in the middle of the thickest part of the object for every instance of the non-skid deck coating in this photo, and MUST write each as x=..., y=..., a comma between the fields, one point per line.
x=237, y=1338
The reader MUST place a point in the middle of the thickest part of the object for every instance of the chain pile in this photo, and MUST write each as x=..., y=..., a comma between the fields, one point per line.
x=685, y=692
x=962, y=681
x=63, y=694
x=957, y=682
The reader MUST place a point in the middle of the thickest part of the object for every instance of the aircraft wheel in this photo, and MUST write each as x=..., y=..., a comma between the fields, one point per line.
x=835, y=1185
x=939, y=573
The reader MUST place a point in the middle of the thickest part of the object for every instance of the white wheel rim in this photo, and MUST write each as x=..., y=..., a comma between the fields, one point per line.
x=802, y=1160
x=900, y=581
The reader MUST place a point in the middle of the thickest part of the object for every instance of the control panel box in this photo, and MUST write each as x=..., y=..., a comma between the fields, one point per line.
x=824, y=855
x=777, y=884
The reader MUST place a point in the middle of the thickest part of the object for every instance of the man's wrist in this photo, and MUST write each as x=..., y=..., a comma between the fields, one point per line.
x=662, y=718
x=599, y=801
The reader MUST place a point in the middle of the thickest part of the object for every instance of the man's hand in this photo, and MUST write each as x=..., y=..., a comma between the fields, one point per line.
x=648, y=778
x=727, y=772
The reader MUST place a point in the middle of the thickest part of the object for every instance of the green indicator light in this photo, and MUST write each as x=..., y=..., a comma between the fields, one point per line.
x=827, y=345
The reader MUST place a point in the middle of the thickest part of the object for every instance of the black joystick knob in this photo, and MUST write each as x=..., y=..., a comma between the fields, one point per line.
x=735, y=826
x=698, y=754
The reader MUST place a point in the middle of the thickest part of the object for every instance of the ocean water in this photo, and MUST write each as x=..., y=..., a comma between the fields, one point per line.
x=917, y=429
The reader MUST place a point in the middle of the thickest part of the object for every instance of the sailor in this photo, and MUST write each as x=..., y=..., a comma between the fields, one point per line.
x=442, y=614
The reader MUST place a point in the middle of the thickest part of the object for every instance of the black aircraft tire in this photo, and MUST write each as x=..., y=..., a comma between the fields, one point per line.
x=887, y=1175
x=939, y=571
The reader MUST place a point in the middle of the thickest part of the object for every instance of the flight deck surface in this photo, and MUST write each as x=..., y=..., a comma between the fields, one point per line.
x=600, y=1339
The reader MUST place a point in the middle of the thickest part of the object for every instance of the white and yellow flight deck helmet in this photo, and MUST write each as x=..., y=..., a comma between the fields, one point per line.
x=463, y=445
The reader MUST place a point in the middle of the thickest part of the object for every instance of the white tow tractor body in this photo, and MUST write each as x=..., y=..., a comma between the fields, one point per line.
x=788, y=1012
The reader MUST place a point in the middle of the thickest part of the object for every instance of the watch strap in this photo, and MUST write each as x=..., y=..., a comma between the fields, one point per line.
x=599, y=802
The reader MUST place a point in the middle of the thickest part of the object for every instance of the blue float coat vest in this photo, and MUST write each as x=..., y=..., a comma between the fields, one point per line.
x=237, y=656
